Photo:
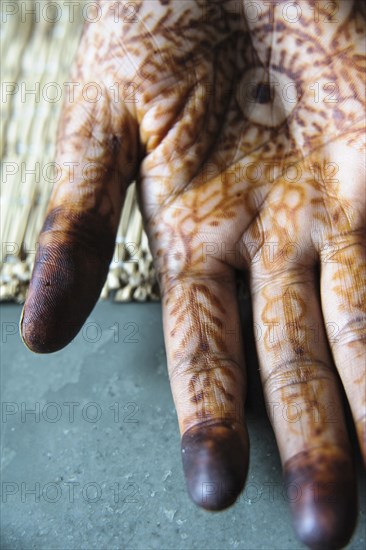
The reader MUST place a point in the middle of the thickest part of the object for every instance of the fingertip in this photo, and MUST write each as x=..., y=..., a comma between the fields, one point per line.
x=26, y=334
x=321, y=529
x=215, y=464
x=42, y=326
x=325, y=525
x=53, y=315
x=70, y=269
x=40, y=336
x=324, y=508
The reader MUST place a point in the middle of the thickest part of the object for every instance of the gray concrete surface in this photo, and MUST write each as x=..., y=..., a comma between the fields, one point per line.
x=101, y=453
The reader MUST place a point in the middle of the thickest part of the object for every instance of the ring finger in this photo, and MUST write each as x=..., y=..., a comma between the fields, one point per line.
x=304, y=405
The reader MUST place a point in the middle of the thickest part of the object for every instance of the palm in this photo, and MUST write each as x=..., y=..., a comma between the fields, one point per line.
x=246, y=140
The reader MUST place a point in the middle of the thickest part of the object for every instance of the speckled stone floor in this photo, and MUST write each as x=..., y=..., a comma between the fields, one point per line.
x=97, y=463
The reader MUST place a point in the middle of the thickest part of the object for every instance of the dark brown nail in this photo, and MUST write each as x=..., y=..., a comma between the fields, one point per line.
x=215, y=464
x=68, y=276
x=321, y=487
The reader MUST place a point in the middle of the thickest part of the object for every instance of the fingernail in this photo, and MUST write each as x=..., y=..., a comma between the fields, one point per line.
x=322, y=491
x=215, y=464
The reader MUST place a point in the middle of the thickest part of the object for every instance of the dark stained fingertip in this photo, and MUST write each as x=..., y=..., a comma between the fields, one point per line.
x=71, y=266
x=215, y=464
x=322, y=492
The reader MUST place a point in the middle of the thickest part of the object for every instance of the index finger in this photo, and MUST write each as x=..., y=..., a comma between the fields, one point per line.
x=96, y=154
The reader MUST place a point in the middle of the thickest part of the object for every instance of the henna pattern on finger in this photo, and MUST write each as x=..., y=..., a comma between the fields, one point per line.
x=77, y=240
x=200, y=354
x=300, y=375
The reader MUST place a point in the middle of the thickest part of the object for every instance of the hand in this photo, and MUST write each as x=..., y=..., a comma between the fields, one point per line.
x=245, y=136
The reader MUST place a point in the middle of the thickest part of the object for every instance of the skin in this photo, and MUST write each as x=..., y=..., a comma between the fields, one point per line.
x=235, y=174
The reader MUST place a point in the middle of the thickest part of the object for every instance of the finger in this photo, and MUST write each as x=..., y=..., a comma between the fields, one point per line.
x=305, y=408
x=96, y=156
x=205, y=362
x=343, y=289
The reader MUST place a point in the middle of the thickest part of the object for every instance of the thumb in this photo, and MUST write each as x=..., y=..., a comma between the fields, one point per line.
x=97, y=156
